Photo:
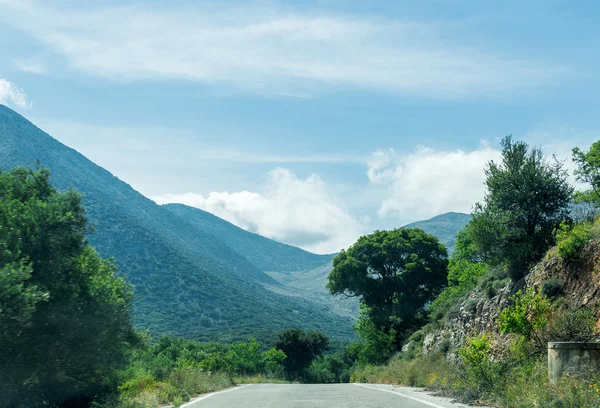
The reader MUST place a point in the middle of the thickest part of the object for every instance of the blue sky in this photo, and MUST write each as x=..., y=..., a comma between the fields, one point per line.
x=310, y=122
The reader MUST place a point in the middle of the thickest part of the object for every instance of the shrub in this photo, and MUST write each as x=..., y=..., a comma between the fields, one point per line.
x=463, y=276
x=526, y=317
x=454, y=311
x=567, y=325
x=327, y=369
x=481, y=372
x=417, y=337
x=552, y=287
x=490, y=290
x=471, y=305
x=571, y=239
x=445, y=345
x=433, y=371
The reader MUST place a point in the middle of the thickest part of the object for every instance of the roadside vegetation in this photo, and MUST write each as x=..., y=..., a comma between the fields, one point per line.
x=529, y=215
x=66, y=333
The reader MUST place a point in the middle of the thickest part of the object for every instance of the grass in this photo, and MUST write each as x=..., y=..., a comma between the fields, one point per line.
x=520, y=386
x=181, y=386
x=178, y=388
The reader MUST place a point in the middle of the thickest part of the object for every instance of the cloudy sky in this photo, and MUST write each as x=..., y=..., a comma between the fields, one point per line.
x=313, y=121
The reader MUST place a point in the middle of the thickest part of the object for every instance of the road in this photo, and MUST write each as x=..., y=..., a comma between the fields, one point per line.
x=320, y=396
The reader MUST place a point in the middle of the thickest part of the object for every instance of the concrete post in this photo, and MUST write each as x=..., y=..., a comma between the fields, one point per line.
x=574, y=358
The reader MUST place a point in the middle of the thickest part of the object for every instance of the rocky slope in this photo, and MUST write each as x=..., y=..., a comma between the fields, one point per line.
x=479, y=312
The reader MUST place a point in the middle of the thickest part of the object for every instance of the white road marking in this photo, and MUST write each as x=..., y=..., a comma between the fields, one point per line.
x=431, y=404
x=214, y=393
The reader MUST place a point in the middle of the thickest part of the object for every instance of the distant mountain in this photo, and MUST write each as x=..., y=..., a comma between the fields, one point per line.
x=444, y=227
x=188, y=280
x=264, y=253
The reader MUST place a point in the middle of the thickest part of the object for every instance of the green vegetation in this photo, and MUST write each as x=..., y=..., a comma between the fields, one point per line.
x=65, y=316
x=264, y=253
x=173, y=370
x=525, y=212
x=300, y=350
x=571, y=238
x=552, y=287
x=527, y=198
x=588, y=172
x=464, y=273
x=526, y=317
x=516, y=379
x=395, y=274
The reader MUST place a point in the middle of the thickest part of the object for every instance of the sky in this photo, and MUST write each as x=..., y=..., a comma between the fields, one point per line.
x=311, y=122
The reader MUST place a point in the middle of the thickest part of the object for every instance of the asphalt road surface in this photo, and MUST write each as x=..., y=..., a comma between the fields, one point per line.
x=320, y=396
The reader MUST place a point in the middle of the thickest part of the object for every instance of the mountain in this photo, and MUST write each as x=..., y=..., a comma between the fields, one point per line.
x=264, y=253
x=444, y=227
x=300, y=274
x=187, y=280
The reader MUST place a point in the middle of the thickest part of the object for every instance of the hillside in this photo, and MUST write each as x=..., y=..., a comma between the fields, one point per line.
x=264, y=253
x=444, y=227
x=478, y=312
x=187, y=281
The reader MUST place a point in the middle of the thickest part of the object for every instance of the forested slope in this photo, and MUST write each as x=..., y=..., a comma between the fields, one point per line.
x=187, y=281
x=264, y=253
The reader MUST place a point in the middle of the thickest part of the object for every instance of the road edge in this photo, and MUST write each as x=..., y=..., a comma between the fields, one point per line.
x=205, y=396
x=422, y=401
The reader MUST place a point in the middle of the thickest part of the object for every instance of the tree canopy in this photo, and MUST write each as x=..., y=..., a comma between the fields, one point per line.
x=588, y=172
x=300, y=348
x=527, y=196
x=65, y=316
x=395, y=273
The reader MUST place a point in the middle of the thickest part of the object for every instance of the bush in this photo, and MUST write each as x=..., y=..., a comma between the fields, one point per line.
x=432, y=371
x=571, y=239
x=552, y=287
x=471, y=305
x=567, y=325
x=463, y=276
x=481, y=372
x=490, y=290
x=527, y=316
x=175, y=369
x=328, y=369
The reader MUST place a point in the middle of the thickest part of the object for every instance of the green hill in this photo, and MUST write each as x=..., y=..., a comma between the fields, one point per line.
x=264, y=253
x=187, y=280
x=444, y=227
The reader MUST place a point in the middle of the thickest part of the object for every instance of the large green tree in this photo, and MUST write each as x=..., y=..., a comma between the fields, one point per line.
x=526, y=199
x=395, y=274
x=65, y=316
x=300, y=348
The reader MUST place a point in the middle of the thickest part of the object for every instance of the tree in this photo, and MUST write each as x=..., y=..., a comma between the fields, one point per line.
x=588, y=171
x=65, y=316
x=300, y=348
x=395, y=273
x=527, y=197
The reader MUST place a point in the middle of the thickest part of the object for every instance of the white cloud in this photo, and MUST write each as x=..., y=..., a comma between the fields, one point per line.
x=31, y=66
x=427, y=182
x=273, y=49
x=290, y=210
x=12, y=94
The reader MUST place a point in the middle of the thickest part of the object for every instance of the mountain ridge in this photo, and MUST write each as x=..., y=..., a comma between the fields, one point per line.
x=186, y=282
x=444, y=226
x=273, y=256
